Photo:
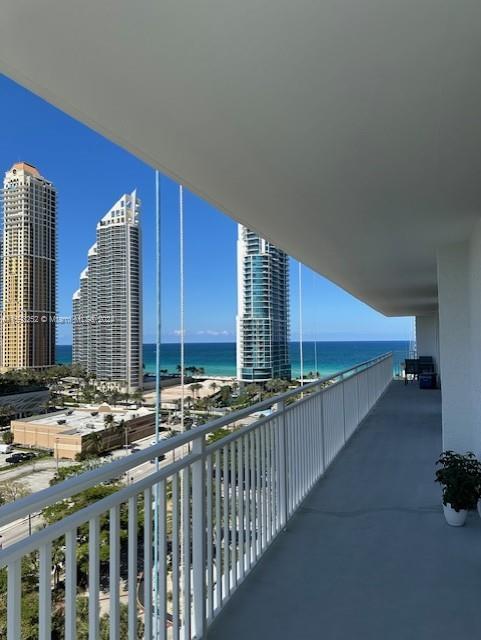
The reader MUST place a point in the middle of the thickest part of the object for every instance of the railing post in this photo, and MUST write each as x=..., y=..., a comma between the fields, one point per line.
x=358, y=421
x=283, y=488
x=71, y=584
x=321, y=416
x=343, y=407
x=14, y=600
x=198, y=538
x=368, y=390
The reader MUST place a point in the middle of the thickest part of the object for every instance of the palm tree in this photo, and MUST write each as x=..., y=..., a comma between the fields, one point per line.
x=225, y=395
x=138, y=396
x=93, y=444
x=214, y=386
x=252, y=389
x=114, y=396
x=48, y=404
x=109, y=420
x=195, y=388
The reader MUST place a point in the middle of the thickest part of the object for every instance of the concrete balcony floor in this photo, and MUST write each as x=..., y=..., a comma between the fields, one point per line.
x=369, y=556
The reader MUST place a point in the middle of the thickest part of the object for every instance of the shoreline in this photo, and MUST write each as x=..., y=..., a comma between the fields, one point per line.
x=219, y=359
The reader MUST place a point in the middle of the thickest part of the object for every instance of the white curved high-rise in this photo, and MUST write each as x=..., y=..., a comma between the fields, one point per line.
x=262, y=309
x=107, y=308
x=28, y=269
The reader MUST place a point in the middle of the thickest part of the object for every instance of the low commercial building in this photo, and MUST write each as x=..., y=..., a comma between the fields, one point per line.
x=73, y=432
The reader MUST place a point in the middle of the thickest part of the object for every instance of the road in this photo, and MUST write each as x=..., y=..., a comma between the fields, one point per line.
x=24, y=470
x=19, y=529
x=38, y=475
x=145, y=469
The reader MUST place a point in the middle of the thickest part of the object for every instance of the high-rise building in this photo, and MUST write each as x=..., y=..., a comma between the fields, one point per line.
x=107, y=308
x=263, y=309
x=28, y=269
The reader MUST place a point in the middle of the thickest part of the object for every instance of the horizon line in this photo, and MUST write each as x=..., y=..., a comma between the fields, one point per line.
x=69, y=344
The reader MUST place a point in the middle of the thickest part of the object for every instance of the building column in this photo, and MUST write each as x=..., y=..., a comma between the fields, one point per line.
x=459, y=291
x=427, y=337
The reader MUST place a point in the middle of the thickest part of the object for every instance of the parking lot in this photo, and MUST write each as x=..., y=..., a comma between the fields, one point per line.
x=15, y=451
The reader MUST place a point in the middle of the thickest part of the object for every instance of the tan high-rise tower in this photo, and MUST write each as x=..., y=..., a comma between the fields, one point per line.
x=28, y=269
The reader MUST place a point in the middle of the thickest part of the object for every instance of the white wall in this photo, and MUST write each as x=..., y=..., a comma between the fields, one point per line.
x=427, y=337
x=459, y=290
x=475, y=335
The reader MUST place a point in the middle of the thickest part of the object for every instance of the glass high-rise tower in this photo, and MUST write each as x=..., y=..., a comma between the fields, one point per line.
x=263, y=309
x=107, y=308
x=28, y=269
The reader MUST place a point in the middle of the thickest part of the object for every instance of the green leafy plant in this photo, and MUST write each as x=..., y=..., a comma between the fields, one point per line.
x=460, y=477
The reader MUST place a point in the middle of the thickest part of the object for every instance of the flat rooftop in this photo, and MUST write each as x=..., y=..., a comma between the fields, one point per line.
x=85, y=421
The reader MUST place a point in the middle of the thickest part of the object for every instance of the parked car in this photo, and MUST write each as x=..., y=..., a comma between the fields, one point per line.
x=21, y=457
x=15, y=458
x=28, y=455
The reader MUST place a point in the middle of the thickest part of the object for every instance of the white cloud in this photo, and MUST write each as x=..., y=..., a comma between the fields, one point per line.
x=213, y=332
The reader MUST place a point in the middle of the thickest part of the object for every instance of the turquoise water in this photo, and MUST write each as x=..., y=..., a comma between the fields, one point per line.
x=220, y=358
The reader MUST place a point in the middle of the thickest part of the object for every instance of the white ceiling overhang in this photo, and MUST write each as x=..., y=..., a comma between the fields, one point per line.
x=346, y=131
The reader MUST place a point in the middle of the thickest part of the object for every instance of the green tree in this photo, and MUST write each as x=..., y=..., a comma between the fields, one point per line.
x=6, y=413
x=92, y=446
x=113, y=396
x=82, y=623
x=195, y=388
x=253, y=391
x=58, y=511
x=109, y=420
x=11, y=490
x=7, y=437
x=138, y=396
x=225, y=394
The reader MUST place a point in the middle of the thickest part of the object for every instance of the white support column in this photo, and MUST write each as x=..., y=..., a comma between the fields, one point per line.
x=459, y=290
x=427, y=337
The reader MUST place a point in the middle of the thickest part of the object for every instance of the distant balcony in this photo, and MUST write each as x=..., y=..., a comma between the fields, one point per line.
x=168, y=550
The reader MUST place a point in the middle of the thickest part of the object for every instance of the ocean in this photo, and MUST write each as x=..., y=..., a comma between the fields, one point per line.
x=219, y=359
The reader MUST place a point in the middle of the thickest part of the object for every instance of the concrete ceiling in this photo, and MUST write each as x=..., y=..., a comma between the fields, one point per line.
x=346, y=131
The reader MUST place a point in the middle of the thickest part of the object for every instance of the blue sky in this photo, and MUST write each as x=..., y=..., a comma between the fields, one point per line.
x=90, y=174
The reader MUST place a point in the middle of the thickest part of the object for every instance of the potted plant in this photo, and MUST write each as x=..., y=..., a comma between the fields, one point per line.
x=460, y=477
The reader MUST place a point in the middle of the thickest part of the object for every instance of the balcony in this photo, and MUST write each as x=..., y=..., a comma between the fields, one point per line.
x=168, y=548
x=339, y=188
x=368, y=554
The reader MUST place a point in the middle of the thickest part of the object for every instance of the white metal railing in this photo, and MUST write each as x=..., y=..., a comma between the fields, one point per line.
x=220, y=505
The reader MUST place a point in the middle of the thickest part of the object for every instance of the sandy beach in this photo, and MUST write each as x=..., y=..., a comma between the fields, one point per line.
x=171, y=394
